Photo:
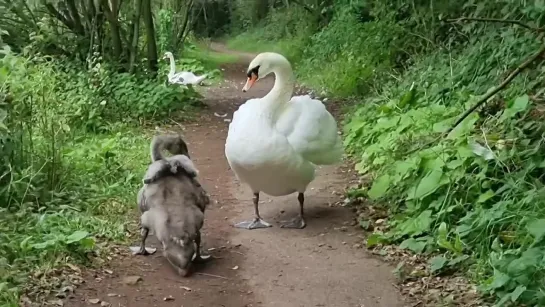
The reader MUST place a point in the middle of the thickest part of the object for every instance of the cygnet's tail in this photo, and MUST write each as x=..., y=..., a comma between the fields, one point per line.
x=186, y=164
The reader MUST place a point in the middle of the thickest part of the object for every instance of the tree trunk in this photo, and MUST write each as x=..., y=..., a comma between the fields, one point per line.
x=73, y=10
x=135, y=35
x=115, y=29
x=150, y=36
x=180, y=36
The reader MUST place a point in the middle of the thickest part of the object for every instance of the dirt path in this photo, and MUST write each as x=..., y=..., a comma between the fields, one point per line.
x=322, y=265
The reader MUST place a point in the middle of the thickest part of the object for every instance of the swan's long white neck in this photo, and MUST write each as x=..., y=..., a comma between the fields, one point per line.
x=282, y=90
x=172, y=64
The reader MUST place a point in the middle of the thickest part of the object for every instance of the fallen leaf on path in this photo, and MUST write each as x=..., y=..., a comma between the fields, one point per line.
x=168, y=298
x=235, y=267
x=57, y=303
x=73, y=267
x=132, y=280
x=105, y=304
x=186, y=288
x=94, y=301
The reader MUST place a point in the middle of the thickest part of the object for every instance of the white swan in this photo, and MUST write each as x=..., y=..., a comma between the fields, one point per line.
x=274, y=142
x=183, y=77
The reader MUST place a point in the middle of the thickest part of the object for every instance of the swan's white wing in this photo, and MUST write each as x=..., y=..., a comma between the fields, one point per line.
x=311, y=130
x=177, y=78
x=263, y=157
x=186, y=77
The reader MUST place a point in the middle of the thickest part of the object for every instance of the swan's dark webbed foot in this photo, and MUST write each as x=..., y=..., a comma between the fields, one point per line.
x=257, y=222
x=298, y=222
x=253, y=224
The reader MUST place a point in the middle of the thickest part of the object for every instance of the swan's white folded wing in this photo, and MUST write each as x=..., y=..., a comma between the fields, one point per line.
x=177, y=78
x=311, y=130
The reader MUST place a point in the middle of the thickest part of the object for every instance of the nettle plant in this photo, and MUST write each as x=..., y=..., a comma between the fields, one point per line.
x=474, y=198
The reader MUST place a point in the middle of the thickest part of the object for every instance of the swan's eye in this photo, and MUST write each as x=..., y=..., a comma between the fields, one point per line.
x=253, y=75
x=253, y=71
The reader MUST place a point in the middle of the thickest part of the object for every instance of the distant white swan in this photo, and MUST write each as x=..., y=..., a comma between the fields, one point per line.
x=183, y=77
x=275, y=142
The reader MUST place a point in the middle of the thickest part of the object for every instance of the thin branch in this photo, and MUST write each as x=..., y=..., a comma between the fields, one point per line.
x=528, y=61
x=211, y=275
x=496, y=20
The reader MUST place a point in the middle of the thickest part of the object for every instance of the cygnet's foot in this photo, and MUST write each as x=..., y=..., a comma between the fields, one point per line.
x=253, y=224
x=202, y=258
x=298, y=223
x=144, y=251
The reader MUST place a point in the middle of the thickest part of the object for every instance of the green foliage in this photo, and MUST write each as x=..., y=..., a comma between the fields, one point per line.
x=475, y=196
x=71, y=159
x=478, y=192
x=90, y=98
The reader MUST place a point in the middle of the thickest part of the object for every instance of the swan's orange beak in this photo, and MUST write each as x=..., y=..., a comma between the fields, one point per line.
x=249, y=83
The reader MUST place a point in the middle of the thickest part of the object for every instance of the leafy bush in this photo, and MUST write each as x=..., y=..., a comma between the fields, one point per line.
x=479, y=191
x=71, y=159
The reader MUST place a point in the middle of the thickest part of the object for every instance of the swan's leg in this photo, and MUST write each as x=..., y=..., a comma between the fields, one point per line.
x=257, y=222
x=299, y=221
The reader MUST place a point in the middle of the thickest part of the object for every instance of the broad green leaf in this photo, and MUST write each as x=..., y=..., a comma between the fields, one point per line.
x=442, y=237
x=458, y=245
x=519, y=104
x=499, y=280
x=375, y=239
x=402, y=168
x=418, y=225
x=408, y=98
x=496, y=246
x=76, y=236
x=442, y=126
x=442, y=230
x=465, y=127
x=481, y=151
x=413, y=245
x=437, y=263
x=87, y=243
x=426, y=186
x=517, y=293
x=537, y=229
x=380, y=186
x=455, y=164
x=458, y=260
x=485, y=196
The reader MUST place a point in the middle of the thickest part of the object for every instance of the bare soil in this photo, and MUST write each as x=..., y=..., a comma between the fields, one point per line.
x=321, y=265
